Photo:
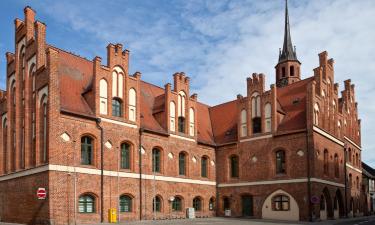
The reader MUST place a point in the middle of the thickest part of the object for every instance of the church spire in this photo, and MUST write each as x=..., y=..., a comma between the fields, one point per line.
x=288, y=52
x=288, y=67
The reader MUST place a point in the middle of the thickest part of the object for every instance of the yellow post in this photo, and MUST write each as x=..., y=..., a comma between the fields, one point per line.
x=112, y=216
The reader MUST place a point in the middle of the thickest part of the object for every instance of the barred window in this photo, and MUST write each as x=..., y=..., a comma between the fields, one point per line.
x=126, y=203
x=86, y=150
x=197, y=204
x=125, y=156
x=177, y=204
x=281, y=203
x=86, y=204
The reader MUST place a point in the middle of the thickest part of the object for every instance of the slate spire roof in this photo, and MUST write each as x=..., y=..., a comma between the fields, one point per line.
x=288, y=52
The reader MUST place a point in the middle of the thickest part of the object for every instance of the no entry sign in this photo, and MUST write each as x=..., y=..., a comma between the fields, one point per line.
x=41, y=193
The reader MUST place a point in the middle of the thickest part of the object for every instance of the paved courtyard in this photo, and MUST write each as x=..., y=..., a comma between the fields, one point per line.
x=241, y=221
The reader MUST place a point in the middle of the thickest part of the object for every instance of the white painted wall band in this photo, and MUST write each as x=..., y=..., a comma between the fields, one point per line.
x=327, y=135
x=71, y=169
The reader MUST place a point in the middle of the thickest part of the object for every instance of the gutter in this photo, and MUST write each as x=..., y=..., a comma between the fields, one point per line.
x=98, y=120
x=140, y=172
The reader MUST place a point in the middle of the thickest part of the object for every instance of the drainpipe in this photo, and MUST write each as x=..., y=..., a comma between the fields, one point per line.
x=140, y=172
x=308, y=176
x=98, y=120
x=346, y=183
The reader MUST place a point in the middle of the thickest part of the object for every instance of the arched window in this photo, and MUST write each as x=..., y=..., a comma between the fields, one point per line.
x=43, y=129
x=117, y=82
x=126, y=203
x=87, y=148
x=280, y=162
x=226, y=203
x=181, y=112
x=337, y=169
x=350, y=155
x=156, y=204
x=86, y=204
x=283, y=72
x=350, y=180
x=197, y=204
x=116, y=107
x=243, y=123
x=267, y=115
x=316, y=114
x=5, y=146
x=211, y=204
x=326, y=162
x=103, y=93
x=291, y=71
x=132, y=104
x=234, y=166
x=192, y=122
x=204, y=162
x=156, y=160
x=177, y=204
x=256, y=113
x=281, y=203
x=125, y=156
x=182, y=163
x=172, y=116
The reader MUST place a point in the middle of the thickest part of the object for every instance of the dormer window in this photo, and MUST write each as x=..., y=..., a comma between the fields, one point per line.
x=172, y=116
x=192, y=122
x=132, y=104
x=267, y=115
x=243, y=123
x=103, y=87
x=116, y=107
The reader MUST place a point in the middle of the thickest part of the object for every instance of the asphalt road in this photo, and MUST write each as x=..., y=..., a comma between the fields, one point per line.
x=360, y=221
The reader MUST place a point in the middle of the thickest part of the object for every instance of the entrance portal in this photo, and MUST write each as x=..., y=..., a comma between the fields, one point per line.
x=247, y=205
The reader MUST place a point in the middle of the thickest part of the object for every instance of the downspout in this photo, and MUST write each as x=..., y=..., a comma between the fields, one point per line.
x=308, y=176
x=140, y=172
x=346, y=184
x=98, y=120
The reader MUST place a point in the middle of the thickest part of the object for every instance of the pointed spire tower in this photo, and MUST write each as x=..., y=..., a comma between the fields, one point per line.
x=288, y=67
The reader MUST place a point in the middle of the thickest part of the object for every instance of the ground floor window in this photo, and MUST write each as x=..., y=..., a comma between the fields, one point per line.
x=281, y=203
x=197, y=204
x=86, y=204
x=177, y=204
x=211, y=204
x=156, y=204
x=125, y=203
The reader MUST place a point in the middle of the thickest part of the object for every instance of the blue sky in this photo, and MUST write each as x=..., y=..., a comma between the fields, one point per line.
x=217, y=43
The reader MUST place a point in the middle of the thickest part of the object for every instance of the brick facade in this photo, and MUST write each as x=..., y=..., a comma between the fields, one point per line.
x=299, y=138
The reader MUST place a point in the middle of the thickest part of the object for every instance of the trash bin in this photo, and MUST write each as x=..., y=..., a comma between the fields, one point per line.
x=112, y=215
x=227, y=212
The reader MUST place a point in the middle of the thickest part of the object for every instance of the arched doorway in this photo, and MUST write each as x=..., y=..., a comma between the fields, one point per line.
x=247, y=205
x=338, y=205
x=280, y=205
x=326, y=208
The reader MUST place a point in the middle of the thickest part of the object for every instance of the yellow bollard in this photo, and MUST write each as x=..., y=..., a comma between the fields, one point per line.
x=112, y=216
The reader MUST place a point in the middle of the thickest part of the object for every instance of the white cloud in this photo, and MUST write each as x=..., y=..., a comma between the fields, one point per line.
x=220, y=43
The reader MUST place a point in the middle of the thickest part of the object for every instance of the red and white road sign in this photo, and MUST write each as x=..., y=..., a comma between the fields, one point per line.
x=41, y=193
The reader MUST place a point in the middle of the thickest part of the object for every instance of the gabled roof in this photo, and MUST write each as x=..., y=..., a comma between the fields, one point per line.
x=368, y=170
x=215, y=125
x=292, y=99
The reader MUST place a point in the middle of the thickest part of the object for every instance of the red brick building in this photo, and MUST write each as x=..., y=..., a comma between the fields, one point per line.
x=98, y=138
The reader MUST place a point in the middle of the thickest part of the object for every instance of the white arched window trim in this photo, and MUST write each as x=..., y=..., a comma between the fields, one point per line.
x=103, y=93
x=132, y=104
x=268, y=117
x=243, y=123
x=117, y=82
x=172, y=116
x=255, y=105
x=192, y=122
x=181, y=104
x=316, y=114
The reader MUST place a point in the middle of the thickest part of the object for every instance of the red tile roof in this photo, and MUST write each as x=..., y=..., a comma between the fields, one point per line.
x=216, y=125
